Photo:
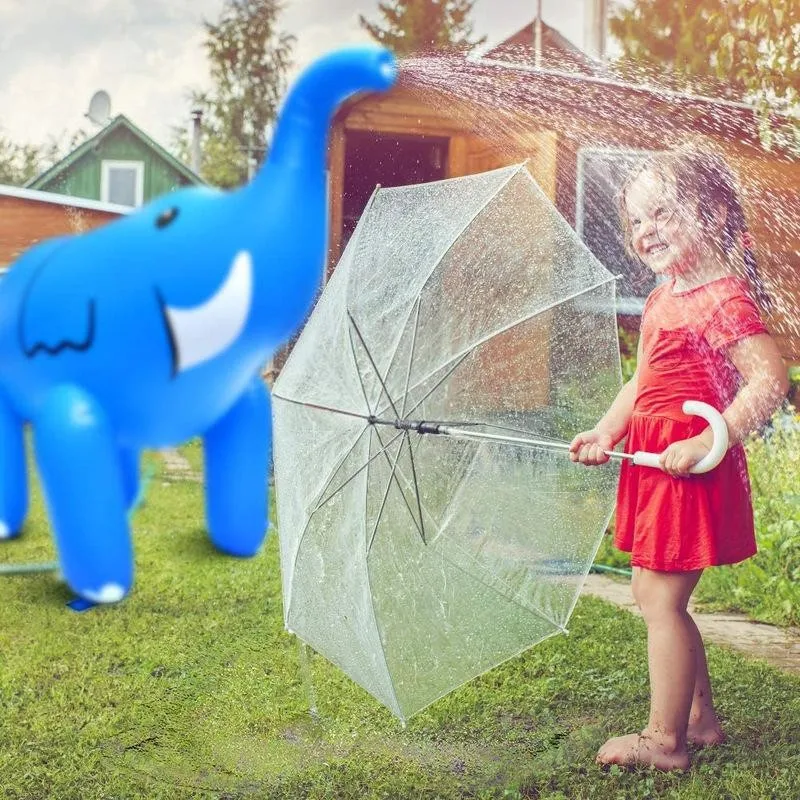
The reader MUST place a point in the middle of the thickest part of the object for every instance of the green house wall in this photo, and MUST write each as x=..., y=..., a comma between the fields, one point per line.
x=83, y=178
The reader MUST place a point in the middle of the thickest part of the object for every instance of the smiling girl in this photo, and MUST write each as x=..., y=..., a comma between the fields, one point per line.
x=702, y=338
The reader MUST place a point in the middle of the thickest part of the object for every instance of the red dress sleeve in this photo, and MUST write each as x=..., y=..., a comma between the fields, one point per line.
x=735, y=319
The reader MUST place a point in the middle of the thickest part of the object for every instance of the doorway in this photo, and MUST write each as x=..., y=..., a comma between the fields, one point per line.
x=388, y=160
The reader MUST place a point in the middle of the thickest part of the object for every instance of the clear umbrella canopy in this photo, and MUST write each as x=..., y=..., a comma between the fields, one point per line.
x=412, y=559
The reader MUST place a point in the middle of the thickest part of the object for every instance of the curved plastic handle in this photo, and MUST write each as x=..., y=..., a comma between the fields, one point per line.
x=718, y=447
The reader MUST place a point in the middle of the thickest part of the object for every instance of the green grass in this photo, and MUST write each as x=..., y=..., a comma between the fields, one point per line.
x=190, y=688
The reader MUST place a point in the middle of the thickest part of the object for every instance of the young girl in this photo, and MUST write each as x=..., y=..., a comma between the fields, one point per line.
x=702, y=338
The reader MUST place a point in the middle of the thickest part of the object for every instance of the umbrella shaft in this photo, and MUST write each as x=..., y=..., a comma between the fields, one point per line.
x=459, y=433
x=550, y=445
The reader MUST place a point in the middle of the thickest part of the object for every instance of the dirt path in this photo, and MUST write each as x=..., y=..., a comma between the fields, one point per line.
x=178, y=467
x=780, y=647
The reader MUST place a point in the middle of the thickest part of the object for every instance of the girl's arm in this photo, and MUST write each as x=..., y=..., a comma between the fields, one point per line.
x=588, y=447
x=766, y=383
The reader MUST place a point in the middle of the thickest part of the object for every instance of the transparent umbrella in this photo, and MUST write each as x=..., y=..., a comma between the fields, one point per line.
x=428, y=529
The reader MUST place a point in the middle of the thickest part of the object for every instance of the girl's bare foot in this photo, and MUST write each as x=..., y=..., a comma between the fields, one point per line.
x=705, y=733
x=645, y=749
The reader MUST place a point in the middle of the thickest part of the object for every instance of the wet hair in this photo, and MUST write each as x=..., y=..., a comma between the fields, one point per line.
x=701, y=173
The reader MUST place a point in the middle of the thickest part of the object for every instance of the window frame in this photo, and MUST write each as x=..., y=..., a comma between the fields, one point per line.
x=137, y=166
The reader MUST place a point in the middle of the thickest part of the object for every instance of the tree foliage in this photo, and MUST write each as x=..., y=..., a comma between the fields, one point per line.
x=249, y=63
x=417, y=26
x=20, y=163
x=744, y=48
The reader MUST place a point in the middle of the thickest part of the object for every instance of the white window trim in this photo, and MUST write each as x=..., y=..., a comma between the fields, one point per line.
x=137, y=166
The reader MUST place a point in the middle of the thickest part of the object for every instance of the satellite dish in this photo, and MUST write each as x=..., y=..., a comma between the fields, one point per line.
x=99, y=108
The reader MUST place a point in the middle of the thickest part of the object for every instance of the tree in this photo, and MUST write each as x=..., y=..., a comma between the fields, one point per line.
x=418, y=26
x=744, y=48
x=250, y=60
x=20, y=163
x=746, y=45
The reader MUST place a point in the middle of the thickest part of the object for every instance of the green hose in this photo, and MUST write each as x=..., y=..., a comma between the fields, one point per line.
x=614, y=570
x=52, y=566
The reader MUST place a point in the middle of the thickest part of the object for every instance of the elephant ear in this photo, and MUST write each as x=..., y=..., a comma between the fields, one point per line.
x=57, y=313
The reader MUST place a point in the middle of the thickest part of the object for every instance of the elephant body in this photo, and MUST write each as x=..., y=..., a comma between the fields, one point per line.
x=153, y=329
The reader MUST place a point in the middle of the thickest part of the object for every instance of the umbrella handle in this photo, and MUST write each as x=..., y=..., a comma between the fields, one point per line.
x=718, y=447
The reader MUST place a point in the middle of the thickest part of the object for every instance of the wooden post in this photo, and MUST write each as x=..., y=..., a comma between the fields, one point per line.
x=336, y=168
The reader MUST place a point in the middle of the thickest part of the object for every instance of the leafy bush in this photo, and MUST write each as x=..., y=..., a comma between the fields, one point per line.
x=628, y=343
x=767, y=586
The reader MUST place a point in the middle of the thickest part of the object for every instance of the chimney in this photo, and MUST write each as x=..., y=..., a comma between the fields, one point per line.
x=537, y=36
x=594, y=28
x=197, y=118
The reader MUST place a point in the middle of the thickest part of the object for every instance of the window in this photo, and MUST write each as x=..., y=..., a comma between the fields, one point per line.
x=122, y=182
x=601, y=173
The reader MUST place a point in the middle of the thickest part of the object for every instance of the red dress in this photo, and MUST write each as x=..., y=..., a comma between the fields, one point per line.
x=681, y=524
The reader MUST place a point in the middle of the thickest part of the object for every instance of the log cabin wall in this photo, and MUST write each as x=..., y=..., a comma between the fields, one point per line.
x=25, y=222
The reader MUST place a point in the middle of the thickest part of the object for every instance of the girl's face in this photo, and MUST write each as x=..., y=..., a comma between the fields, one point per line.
x=664, y=234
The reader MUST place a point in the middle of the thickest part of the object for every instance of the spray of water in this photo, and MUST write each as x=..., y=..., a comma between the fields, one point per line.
x=615, y=113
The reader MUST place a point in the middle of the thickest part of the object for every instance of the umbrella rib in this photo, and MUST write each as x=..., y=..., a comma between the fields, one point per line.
x=385, y=495
x=393, y=475
x=512, y=173
x=416, y=486
x=319, y=407
x=411, y=356
x=372, y=362
x=338, y=466
x=358, y=369
x=447, y=374
x=488, y=337
x=355, y=474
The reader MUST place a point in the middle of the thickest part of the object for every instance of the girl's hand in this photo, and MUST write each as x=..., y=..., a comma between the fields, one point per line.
x=681, y=456
x=587, y=448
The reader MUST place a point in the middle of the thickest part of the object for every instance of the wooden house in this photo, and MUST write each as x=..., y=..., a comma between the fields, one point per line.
x=579, y=130
x=118, y=169
x=28, y=216
x=121, y=164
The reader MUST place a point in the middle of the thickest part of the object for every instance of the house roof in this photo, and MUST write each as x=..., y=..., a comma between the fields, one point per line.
x=53, y=198
x=557, y=52
x=120, y=121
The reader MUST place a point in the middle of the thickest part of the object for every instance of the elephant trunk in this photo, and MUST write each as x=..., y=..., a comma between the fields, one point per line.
x=290, y=188
x=300, y=139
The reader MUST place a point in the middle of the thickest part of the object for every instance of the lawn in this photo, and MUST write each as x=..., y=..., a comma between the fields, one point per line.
x=190, y=688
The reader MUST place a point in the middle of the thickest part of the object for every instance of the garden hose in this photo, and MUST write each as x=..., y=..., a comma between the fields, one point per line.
x=603, y=568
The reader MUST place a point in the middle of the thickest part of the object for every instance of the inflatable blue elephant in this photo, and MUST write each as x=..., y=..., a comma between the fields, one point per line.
x=153, y=329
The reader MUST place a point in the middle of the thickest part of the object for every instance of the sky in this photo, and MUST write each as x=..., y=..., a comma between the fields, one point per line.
x=147, y=54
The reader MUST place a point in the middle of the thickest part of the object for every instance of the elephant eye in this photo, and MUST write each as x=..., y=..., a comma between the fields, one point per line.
x=166, y=217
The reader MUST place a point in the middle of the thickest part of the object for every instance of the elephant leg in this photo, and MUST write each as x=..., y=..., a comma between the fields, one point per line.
x=129, y=462
x=13, y=472
x=237, y=453
x=82, y=478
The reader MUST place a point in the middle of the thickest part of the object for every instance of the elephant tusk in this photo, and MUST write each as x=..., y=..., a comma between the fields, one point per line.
x=202, y=332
